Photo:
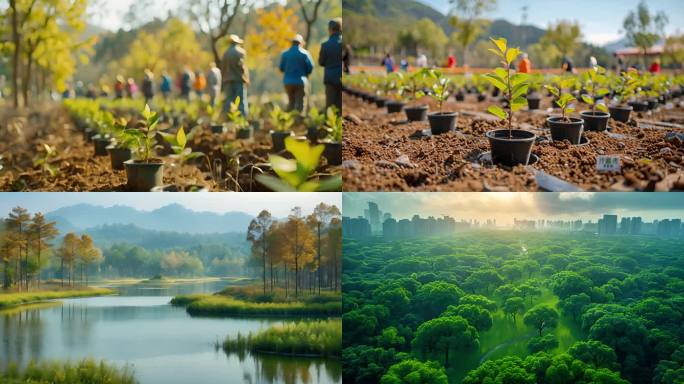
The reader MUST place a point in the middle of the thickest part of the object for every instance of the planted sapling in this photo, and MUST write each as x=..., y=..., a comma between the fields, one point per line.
x=440, y=88
x=594, y=85
x=514, y=87
x=43, y=160
x=563, y=100
x=145, y=137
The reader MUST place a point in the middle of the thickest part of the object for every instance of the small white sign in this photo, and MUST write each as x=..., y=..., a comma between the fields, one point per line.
x=609, y=163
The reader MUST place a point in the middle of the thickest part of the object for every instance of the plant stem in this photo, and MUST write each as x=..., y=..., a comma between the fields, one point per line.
x=510, y=102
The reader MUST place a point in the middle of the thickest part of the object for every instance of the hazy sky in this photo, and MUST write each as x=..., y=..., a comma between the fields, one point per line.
x=505, y=206
x=601, y=20
x=279, y=204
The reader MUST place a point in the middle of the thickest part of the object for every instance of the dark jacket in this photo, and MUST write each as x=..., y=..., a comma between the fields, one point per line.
x=296, y=64
x=331, y=58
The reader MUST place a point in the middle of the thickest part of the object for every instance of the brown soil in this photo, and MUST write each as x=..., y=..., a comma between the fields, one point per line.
x=79, y=170
x=382, y=152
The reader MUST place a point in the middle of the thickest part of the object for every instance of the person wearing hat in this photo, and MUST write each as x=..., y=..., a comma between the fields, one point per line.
x=296, y=64
x=236, y=75
x=331, y=59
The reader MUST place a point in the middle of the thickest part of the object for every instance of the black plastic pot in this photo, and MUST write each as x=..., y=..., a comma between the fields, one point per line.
x=100, y=144
x=118, y=156
x=442, y=122
x=620, y=112
x=533, y=102
x=312, y=134
x=481, y=97
x=652, y=103
x=566, y=130
x=88, y=134
x=218, y=128
x=460, y=96
x=244, y=133
x=142, y=177
x=417, y=113
x=278, y=139
x=638, y=106
x=380, y=102
x=512, y=150
x=333, y=152
x=394, y=106
x=595, y=121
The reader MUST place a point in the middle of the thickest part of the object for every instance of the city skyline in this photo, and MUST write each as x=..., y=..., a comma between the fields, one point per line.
x=507, y=207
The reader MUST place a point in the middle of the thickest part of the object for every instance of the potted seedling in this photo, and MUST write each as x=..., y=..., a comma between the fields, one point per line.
x=533, y=96
x=104, y=122
x=297, y=175
x=144, y=171
x=120, y=148
x=333, y=141
x=282, y=123
x=480, y=86
x=314, y=121
x=638, y=103
x=393, y=90
x=564, y=127
x=43, y=161
x=459, y=83
x=184, y=154
x=238, y=122
x=413, y=88
x=594, y=84
x=624, y=87
x=215, y=116
x=256, y=112
x=440, y=122
x=509, y=146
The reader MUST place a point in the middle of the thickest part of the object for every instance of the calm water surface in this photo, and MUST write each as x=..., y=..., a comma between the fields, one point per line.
x=161, y=343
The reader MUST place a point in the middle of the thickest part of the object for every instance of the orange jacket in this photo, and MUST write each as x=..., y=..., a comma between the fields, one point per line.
x=525, y=66
x=200, y=82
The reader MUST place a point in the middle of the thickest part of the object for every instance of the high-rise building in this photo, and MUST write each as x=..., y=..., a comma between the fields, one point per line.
x=374, y=216
x=608, y=225
x=635, y=228
x=355, y=227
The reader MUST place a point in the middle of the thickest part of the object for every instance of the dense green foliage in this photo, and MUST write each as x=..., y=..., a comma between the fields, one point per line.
x=320, y=338
x=503, y=307
x=19, y=298
x=227, y=306
x=82, y=372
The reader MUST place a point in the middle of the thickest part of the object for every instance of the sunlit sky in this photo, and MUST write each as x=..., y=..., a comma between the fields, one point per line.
x=601, y=20
x=505, y=206
x=279, y=204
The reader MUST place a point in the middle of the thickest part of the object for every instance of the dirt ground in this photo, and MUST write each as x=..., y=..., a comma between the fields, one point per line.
x=78, y=170
x=383, y=152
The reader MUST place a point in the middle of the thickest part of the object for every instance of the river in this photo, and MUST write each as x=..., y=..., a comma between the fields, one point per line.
x=161, y=343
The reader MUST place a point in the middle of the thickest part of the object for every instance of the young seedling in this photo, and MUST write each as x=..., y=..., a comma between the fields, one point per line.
x=514, y=87
x=145, y=137
x=440, y=88
x=594, y=81
x=333, y=125
x=414, y=85
x=296, y=174
x=563, y=100
x=179, y=147
x=43, y=160
x=625, y=86
x=235, y=117
x=282, y=121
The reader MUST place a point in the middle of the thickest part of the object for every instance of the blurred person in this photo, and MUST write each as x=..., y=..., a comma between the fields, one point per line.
x=166, y=85
x=331, y=59
x=525, y=66
x=451, y=61
x=346, y=59
x=91, y=93
x=104, y=90
x=119, y=87
x=404, y=65
x=296, y=64
x=593, y=63
x=567, y=65
x=131, y=88
x=422, y=61
x=655, y=66
x=235, y=75
x=388, y=62
x=187, y=79
x=80, y=89
x=148, y=86
x=3, y=79
x=214, y=81
x=200, y=84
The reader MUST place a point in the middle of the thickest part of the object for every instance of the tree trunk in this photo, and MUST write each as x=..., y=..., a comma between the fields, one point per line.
x=27, y=79
x=319, y=259
x=15, y=56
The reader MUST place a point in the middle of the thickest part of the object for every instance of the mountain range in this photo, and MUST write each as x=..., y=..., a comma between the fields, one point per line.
x=170, y=218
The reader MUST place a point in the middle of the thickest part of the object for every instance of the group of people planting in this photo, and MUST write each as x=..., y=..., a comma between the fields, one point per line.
x=232, y=76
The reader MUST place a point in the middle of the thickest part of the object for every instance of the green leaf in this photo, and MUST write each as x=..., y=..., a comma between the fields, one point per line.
x=502, y=73
x=588, y=99
x=500, y=43
x=146, y=112
x=512, y=54
x=569, y=110
x=495, y=52
x=331, y=184
x=307, y=155
x=566, y=98
x=495, y=81
x=554, y=91
x=497, y=111
x=519, y=78
x=520, y=90
x=602, y=107
x=181, y=140
x=274, y=184
x=518, y=103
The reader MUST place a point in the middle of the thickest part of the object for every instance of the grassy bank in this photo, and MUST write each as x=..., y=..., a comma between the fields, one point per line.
x=84, y=372
x=310, y=338
x=217, y=305
x=19, y=298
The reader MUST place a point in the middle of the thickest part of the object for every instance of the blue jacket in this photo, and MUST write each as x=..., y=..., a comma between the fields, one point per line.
x=331, y=59
x=297, y=65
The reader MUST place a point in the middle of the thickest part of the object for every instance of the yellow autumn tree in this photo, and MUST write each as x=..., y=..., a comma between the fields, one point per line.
x=272, y=33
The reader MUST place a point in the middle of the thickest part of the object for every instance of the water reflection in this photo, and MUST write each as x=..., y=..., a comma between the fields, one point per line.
x=162, y=343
